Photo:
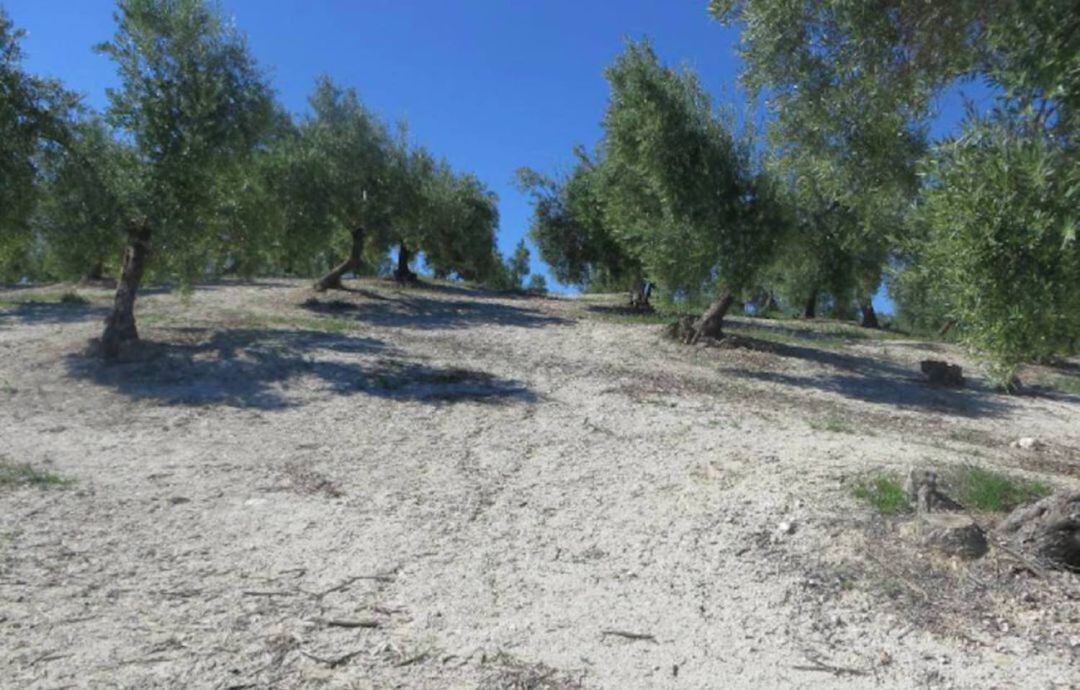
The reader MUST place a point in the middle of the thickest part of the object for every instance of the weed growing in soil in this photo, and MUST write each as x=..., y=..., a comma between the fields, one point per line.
x=992, y=492
x=22, y=474
x=884, y=494
x=835, y=425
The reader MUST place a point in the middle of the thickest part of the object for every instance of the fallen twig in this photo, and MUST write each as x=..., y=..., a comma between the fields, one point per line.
x=48, y=656
x=412, y=660
x=354, y=578
x=819, y=665
x=628, y=635
x=338, y=623
x=828, y=668
x=332, y=663
x=256, y=593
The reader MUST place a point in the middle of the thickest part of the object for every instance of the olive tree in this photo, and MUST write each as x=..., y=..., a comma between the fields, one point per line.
x=998, y=244
x=569, y=228
x=853, y=84
x=679, y=187
x=193, y=103
x=341, y=177
x=464, y=219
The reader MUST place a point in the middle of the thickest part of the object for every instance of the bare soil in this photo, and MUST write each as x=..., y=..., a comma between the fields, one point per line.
x=440, y=488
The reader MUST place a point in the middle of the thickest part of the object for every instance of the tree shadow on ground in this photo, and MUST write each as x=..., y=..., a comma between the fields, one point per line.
x=625, y=310
x=873, y=380
x=32, y=312
x=425, y=313
x=255, y=368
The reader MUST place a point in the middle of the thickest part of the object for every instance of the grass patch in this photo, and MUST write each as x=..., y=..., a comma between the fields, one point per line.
x=967, y=435
x=884, y=494
x=992, y=492
x=22, y=474
x=835, y=425
x=1065, y=384
x=69, y=298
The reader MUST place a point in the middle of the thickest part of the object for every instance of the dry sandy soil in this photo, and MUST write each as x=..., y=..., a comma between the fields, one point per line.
x=437, y=488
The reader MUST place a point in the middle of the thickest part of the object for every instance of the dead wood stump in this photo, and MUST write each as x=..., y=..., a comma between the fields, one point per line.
x=943, y=373
x=1048, y=531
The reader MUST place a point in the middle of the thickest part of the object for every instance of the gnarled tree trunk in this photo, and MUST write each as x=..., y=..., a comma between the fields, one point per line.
x=710, y=324
x=403, y=274
x=332, y=280
x=869, y=316
x=120, y=325
x=810, y=310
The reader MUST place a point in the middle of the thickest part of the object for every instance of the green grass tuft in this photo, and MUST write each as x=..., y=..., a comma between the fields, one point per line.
x=73, y=298
x=1065, y=384
x=884, y=494
x=22, y=474
x=835, y=425
x=987, y=491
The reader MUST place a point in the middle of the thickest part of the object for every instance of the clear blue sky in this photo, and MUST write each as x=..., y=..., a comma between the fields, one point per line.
x=492, y=85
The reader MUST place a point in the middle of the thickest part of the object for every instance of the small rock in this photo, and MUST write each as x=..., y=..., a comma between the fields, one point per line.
x=951, y=534
x=785, y=528
x=1027, y=443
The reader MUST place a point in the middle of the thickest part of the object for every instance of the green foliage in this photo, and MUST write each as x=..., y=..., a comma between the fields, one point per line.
x=679, y=190
x=984, y=490
x=81, y=212
x=517, y=266
x=461, y=219
x=537, y=284
x=997, y=244
x=852, y=87
x=884, y=494
x=570, y=228
x=33, y=117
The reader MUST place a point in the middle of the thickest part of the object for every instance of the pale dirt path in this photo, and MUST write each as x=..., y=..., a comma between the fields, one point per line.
x=228, y=497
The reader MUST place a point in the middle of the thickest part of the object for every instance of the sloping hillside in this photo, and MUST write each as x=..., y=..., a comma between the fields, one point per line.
x=443, y=488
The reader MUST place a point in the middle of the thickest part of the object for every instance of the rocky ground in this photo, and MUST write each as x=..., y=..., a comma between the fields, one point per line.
x=438, y=488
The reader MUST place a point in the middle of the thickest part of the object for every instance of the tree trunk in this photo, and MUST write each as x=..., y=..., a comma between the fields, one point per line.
x=332, y=280
x=869, y=316
x=639, y=296
x=710, y=325
x=810, y=310
x=403, y=274
x=120, y=325
x=771, y=304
